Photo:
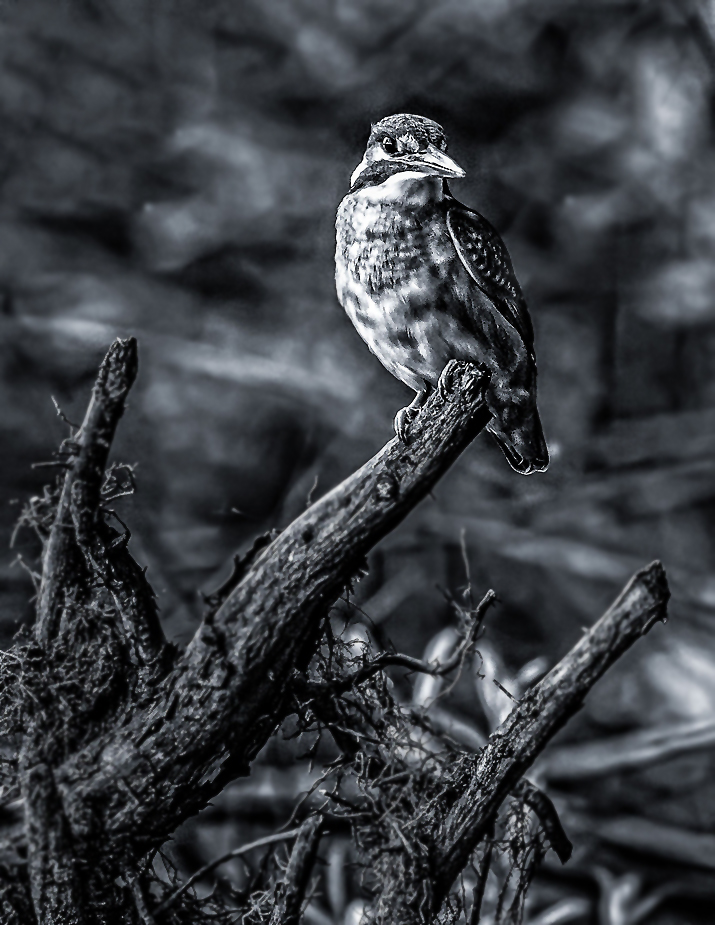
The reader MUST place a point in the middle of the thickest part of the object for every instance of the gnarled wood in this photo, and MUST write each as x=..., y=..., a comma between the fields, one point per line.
x=226, y=694
x=182, y=736
x=542, y=711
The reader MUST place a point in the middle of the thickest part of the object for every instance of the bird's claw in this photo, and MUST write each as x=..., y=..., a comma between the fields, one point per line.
x=445, y=384
x=403, y=419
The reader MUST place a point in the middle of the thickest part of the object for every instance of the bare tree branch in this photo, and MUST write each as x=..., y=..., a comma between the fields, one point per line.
x=399, y=660
x=55, y=883
x=143, y=912
x=483, y=873
x=79, y=499
x=227, y=692
x=179, y=737
x=543, y=710
x=472, y=788
x=80, y=544
x=295, y=883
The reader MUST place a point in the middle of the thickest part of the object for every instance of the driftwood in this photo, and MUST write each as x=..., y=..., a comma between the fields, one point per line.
x=104, y=786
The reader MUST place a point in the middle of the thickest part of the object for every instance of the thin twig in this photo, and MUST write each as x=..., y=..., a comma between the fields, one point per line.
x=478, y=893
x=140, y=902
x=212, y=865
x=543, y=710
x=398, y=660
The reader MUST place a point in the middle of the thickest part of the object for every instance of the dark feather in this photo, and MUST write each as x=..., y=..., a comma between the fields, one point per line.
x=376, y=174
x=487, y=261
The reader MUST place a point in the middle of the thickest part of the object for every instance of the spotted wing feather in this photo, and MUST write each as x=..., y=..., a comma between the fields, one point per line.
x=487, y=261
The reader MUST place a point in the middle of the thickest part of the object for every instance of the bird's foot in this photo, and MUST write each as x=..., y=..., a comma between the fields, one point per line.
x=403, y=419
x=405, y=416
x=445, y=384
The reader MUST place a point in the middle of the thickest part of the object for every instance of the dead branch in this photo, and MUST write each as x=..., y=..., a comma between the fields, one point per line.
x=145, y=916
x=400, y=660
x=121, y=791
x=79, y=498
x=228, y=691
x=459, y=798
x=73, y=556
x=288, y=908
x=482, y=875
x=543, y=710
x=85, y=564
x=57, y=896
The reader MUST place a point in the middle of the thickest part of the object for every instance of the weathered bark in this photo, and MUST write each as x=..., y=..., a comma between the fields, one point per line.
x=292, y=891
x=86, y=460
x=482, y=875
x=15, y=900
x=227, y=692
x=131, y=786
x=542, y=711
x=83, y=558
x=479, y=784
x=57, y=895
x=185, y=733
x=73, y=556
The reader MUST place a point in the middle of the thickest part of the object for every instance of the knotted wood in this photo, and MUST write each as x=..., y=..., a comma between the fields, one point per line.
x=227, y=692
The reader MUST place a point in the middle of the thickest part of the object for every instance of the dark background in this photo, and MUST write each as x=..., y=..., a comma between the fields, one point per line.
x=171, y=170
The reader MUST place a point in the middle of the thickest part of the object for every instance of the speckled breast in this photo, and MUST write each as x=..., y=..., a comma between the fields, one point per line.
x=397, y=277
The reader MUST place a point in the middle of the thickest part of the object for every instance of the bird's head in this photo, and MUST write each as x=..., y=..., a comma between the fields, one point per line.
x=404, y=145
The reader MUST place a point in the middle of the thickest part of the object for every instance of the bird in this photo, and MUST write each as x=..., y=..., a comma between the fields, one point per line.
x=426, y=280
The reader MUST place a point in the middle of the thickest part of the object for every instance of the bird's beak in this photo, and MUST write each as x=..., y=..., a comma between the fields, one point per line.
x=434, y=163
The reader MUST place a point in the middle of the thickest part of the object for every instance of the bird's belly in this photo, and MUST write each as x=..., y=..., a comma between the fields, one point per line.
x=411, y=299
x=413, y=338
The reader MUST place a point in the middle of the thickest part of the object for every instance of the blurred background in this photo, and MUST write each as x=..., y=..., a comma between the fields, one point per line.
x=171, y=170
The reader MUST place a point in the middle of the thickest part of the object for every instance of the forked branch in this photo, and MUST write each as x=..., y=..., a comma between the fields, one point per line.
x=228, y=691
x=184, y=734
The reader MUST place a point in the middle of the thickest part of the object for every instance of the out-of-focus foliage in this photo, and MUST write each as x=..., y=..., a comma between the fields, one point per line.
x=171, y=170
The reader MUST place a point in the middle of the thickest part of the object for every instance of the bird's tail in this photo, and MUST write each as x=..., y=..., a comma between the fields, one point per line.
x=521, y=439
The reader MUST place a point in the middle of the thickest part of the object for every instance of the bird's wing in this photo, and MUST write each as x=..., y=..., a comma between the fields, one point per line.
x=487, y=261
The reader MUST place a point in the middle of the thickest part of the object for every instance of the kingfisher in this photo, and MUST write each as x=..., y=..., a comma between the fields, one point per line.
x=426, y=280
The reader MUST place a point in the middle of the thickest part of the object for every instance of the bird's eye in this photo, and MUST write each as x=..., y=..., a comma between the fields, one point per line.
x=389, y=144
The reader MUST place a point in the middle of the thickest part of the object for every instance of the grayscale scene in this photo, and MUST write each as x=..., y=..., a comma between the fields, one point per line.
x=357, y=498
